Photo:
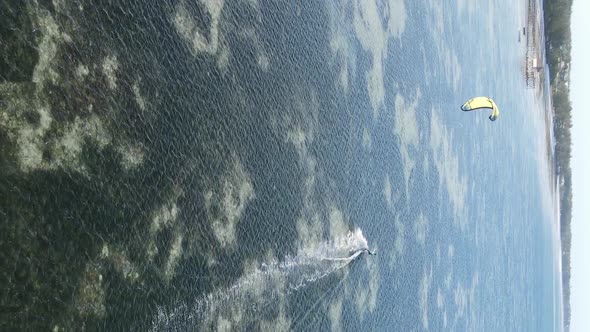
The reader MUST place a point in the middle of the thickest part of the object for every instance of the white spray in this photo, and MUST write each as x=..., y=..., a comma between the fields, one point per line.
x=264, y=285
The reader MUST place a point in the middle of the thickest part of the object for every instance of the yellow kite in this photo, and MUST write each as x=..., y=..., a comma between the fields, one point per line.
x=482, y=102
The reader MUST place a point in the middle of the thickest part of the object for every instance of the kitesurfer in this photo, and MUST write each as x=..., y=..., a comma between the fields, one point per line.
x=372, y=253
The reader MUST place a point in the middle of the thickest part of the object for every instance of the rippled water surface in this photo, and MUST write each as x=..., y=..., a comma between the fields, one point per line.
x=213, y=165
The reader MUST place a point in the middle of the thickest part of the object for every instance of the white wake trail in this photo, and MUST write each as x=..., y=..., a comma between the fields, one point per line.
x=263, y=286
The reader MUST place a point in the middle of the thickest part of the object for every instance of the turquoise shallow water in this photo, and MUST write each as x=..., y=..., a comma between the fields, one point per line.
x=221, y=165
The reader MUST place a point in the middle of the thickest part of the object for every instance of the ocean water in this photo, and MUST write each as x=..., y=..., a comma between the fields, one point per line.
x=215, y=165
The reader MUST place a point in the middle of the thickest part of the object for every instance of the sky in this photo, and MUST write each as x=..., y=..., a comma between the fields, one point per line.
x=580, y=163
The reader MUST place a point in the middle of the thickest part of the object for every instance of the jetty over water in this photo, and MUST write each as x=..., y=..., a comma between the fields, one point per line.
x=535, y=55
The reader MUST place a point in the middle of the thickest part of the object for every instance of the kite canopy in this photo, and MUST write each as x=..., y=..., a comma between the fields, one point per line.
x=482, y=103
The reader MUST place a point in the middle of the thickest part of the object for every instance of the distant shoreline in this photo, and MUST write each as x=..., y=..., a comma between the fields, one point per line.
x=557, y=47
